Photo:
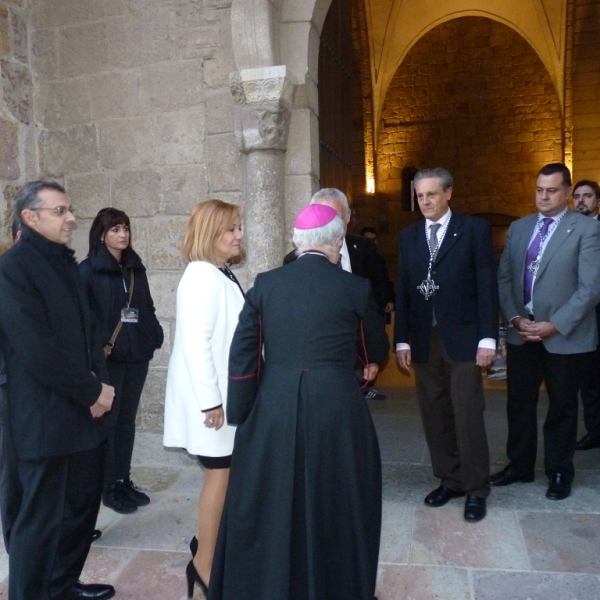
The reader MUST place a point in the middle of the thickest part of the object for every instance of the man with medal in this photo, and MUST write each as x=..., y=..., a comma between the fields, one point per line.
x=549, y=281
x=446, y=326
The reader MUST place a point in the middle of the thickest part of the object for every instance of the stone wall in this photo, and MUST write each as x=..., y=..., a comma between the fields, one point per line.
x=133, y=110
x=16, y=108
x=586, y=90
x=472, y=96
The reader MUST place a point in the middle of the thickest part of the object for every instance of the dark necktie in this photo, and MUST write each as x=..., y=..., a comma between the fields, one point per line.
x=532, y=254
x=433, y=241
x=433, y=248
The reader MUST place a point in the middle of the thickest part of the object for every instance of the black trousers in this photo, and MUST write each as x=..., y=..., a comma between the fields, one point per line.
x=452, y=403
x=11, y=491
x=527, y=366
x=52, y=532
x=128, y=380
x=590, y=391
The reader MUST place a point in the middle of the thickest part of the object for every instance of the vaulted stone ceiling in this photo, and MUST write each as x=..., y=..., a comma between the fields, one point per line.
x=396, y=25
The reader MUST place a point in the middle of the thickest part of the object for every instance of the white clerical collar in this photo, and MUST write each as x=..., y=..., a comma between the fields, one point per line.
x=346, y=265
x=443, y=221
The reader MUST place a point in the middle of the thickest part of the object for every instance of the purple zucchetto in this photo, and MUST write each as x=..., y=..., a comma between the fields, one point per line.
x=314, y=215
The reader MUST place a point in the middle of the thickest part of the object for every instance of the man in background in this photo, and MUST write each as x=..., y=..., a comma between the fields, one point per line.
x=586, y=198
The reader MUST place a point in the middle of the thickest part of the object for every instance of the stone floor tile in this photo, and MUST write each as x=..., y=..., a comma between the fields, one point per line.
x=165, y=525
x=407, y=483
x=155, y=478
x=586, y=459
x=189, y=481
x=104, y=565
x=152, y=575
x=400, y=440
x=442, y=537
x=396, y=582
x=562, y=542
x=396, y=533
x=532, y=496
x=3, y=562
x=500, y=585
x=148, y=450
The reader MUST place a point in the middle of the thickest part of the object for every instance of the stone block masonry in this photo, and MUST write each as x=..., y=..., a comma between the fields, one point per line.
x=471, y=96
x=133, y=110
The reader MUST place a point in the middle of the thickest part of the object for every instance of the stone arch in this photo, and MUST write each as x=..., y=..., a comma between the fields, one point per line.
x=285, y=33
x=473, y=96
x=540, y=22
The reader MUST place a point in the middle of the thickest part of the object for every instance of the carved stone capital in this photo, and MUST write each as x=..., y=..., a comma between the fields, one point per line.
x=263, y=99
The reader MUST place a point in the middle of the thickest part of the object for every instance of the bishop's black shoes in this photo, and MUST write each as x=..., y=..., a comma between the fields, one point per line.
x=510, y=475
x=587, y=442
x=559, y=488
x=441, y=495
x=475, y=509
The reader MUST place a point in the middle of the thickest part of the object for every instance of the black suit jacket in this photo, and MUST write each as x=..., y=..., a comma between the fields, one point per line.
x=54, y=360
x=363, y=260
x=466, y=303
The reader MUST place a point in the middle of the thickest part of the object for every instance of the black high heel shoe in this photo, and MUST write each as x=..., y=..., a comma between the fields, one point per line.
x=193, y=577
x=194, y=546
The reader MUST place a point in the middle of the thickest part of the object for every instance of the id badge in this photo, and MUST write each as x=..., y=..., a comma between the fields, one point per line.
x=129, y=315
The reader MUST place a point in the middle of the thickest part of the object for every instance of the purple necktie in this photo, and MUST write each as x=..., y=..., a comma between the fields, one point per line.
x=532, y=254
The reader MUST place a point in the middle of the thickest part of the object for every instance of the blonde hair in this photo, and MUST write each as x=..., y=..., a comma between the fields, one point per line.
x=208, y=222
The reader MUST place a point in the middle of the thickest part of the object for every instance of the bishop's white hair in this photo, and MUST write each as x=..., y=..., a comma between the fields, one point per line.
x=320, y=236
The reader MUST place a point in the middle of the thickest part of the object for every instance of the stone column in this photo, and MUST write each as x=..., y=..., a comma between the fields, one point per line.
x=262, y=115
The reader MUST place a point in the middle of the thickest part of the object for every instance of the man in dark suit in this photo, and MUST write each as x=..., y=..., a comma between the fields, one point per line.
x=586, y=199
x=55, y=389
x=446, y=325
x=10, y=488
x=358, y=255
x=549, y=280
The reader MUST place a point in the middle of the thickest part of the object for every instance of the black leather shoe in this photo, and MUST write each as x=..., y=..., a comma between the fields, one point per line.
x=96, y=535
x=587, y=442
x=88, y=591
x=510, y=475
x=558, y=489
x=441, y=495
x=475, y=509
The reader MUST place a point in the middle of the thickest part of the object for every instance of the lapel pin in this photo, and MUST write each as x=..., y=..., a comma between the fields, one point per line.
x=454, y=235
x=355, y=246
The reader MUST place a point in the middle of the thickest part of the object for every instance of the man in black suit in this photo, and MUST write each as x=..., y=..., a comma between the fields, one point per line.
x=586, y=199
x=10, y=488
x=358, y=255
x=55, y=389
x=447, y=324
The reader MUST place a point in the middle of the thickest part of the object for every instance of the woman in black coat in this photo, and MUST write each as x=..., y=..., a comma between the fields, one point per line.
x=120, y=297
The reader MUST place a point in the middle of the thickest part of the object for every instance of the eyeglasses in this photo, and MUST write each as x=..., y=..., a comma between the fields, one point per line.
x=59, y=211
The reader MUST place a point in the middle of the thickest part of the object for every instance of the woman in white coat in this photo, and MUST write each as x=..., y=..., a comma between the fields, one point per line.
x=209, y=300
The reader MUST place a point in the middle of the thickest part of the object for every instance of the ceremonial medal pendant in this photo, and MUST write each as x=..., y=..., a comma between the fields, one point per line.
x=428, y=287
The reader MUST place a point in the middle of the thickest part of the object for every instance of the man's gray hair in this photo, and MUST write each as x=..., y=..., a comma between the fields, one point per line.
x=27, y=197
x=327, y=195
x=320, y=236
x=437, y=173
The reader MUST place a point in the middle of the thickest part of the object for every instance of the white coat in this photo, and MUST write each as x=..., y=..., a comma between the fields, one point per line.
x=208, y=306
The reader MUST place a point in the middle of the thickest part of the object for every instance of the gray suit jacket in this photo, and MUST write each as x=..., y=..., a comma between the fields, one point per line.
x=567, y=287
